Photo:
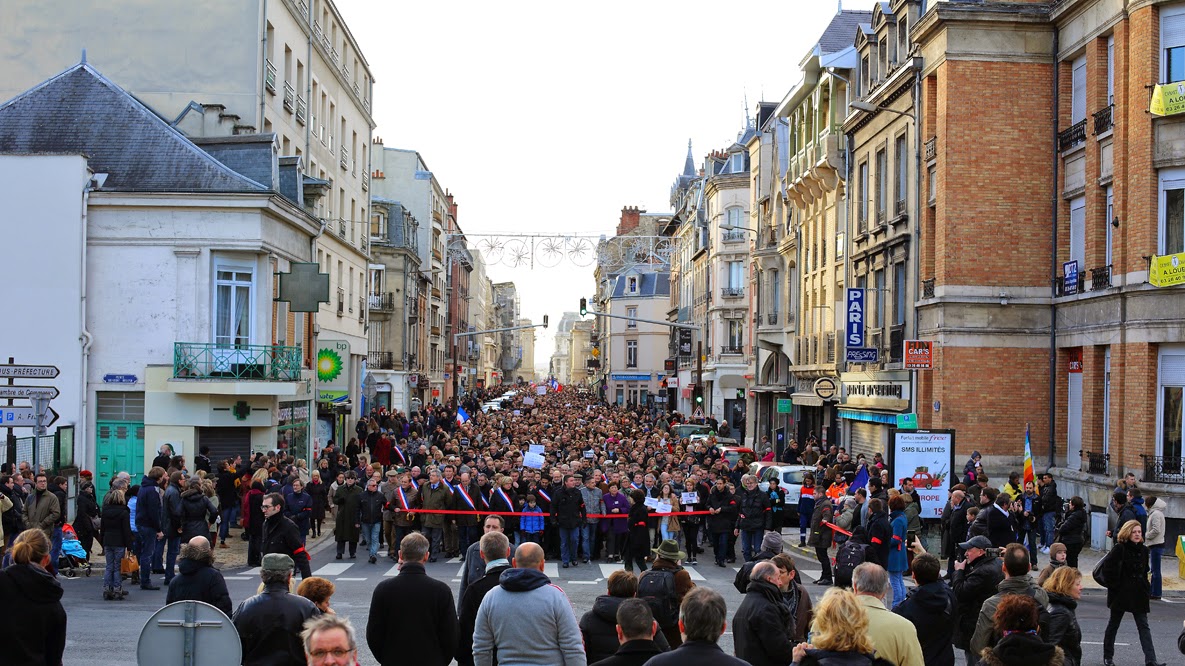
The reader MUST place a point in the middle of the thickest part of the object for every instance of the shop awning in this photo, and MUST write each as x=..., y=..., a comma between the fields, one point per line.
x=870, y=417
x=732, y=381
x=807, y=400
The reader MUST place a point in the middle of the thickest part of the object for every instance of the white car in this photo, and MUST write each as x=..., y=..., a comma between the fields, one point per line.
x=790, y=479
x=491, y=406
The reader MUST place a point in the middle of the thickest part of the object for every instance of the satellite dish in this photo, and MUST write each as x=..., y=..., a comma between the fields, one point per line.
x=189, y=633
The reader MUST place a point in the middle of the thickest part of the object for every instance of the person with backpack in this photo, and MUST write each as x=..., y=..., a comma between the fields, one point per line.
x=664, y=586
x=880, y=531
x=931, y=608
x=852, y=554
x=771, y=545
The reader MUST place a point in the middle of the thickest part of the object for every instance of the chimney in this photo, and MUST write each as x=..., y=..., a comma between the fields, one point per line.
x=630, y=219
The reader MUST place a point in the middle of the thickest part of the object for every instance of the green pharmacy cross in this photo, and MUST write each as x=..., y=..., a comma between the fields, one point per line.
x=304, y=288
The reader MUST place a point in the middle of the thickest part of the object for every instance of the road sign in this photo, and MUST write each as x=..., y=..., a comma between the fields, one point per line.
x=825, y=387
x=862, y=355
x=854, y=318
x=684, y=342
x=120, y=379
x=907, y=421
x=919, y=354
x=17, y=417
x=785, y=405
x=50, y=392
x=29, y=371
x=698, y=413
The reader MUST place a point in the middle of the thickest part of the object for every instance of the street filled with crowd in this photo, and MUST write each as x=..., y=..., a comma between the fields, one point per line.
x=520, y=476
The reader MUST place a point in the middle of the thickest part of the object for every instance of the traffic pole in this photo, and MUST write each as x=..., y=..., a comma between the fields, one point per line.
x=11, y=438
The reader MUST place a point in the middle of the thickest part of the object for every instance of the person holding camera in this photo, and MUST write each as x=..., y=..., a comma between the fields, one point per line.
x=977, y=575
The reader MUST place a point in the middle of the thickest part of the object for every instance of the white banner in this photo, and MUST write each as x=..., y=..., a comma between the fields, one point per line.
x=926, y=457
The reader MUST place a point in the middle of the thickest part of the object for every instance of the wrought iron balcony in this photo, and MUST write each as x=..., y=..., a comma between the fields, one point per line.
x=931, y=148
x=732, y=292
x=1104, y=119
x=733, y=236
x=341, y=227
x=928, y=288
x=302, y=109
x=1100, y=278
x=269, y=76
x=829, y=342
x=771, y=318
x=1075, y=135
x=208, y=360
x=289, y=97
x=345, y=161
x=365, y=181
x=1163, y=469
x=302, y=8
x=382, y=302
x=380, y=360
x=1096, y=463
x=732, y=349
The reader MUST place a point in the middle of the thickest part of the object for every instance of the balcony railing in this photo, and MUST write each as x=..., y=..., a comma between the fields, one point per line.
x=1096, y=463
x=771, y=318
x=899, y=207
x=1100, y=278
x=341, y=227
x=334, y=54
x=361, y=309
x=732, y=349
x=341, y=301
x=206, y=360
x=1104, y=119
x=733, y=236
x=830, y=345
x=931, y=148
x=380, y=360
x=269, y=76
x=302, y=109
x=289, y=97
x=345, y=158
x=302, y=8
x=382, y=302
x=436, y=331
x=928, y=288
x=365, y=181
x=1075, y=135
x=732, y=292
x=1162, y=469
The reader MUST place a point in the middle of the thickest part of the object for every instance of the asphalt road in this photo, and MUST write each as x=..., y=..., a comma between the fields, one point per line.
x=101, y=633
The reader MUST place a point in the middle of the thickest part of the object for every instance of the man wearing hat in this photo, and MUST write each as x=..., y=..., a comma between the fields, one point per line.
x=976, y=578
x=664, y=586
x=269, y=623
x=771, y=544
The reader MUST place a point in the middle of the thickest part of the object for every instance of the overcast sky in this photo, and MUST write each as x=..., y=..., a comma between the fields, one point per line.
x=549, y=117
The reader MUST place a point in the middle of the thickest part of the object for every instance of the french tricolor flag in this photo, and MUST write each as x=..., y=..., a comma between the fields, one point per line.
x=462, y=415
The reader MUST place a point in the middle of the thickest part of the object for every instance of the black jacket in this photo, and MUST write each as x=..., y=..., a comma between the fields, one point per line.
x=370, y=507
x=1050, y=502
x=198, y=580
x=1126, y=569
x=632, y=653
x=880, y=537
x=1001, y=526
x=412, y=620
x=958, y=528
x=753, y=509
x=972, y=586
x=931, y=609
x=1073, y=528
x=34, y=626
x=197, y=512
x=148, y=505
x=115, y=526
x=1022, y=650
x=467, y=619
x=87, y=508
x=741, y=582
x=1063, y=627
x=280, y=535
x=599, y=629
x=760, y=627
x=269, y=626
x=568, y=508
x=224, y=488
x=727, y=503
x=696, y=653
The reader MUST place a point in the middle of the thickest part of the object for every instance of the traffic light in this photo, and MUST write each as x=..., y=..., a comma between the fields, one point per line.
x=583, y=306
x=699, y=397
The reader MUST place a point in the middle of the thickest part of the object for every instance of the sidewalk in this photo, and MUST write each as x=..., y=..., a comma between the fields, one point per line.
x=1087, y=559
x=236, y=555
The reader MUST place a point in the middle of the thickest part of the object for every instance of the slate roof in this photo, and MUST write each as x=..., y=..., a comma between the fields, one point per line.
x=649, y=285
x=838, y=35
x=81, y=111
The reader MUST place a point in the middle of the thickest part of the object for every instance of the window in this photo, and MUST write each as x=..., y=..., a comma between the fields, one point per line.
x=1078, y=232
x=882, y=167
x=736, y=275
x=631, y=353
x=1172, y=211
x=899, y=294
x=632, y=313
x=232, y=305
x=736, y=333
x=280, y=325
x=900, y=156
x=738, y=163
x=1172, y=41
x=1078, y=90
x=878, y=286
x=932, y=177
x=1111, y=70
x=862, y=199
x=733, y=217
x=883, y=58
x=775, y=292
x=1171, y=421
x=1107, y=220
x=378, y=225
x=902, y=37
x=376, y=274
x=865, y=75
x=631, y=285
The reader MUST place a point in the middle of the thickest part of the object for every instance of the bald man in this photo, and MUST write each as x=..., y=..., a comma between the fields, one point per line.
x=759, y=633
x=552, y=637
x=197, y=579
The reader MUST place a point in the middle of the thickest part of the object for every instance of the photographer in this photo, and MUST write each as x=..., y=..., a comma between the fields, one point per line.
x=976, y=578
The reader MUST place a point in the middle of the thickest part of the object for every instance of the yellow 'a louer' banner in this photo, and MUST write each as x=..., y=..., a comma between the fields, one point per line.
x=1167, y=271
x=1168, y=99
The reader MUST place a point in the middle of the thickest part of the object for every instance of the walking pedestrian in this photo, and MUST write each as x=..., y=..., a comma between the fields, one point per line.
x=270, y=623
x=370, y=516
x=1064, y=588
x=197, y=579
x=421, y=632
x=347, y=529
x=1125, y=575
x=280, y=535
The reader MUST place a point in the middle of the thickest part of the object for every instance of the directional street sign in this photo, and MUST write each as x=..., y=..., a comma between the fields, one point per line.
x=29, y=371
x=50, y=392
x=17, y=417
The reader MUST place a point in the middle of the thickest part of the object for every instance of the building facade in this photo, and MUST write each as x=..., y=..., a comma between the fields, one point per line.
x=392, y=283
x=637, y=349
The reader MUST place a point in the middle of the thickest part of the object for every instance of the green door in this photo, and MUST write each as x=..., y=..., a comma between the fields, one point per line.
x=119, y=437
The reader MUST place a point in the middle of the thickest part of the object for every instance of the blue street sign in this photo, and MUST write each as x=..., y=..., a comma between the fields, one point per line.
x=862, y=355
x=119, y=379
x=854, y=319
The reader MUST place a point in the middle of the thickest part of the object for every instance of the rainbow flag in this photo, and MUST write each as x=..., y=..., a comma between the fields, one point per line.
x=1028, y=457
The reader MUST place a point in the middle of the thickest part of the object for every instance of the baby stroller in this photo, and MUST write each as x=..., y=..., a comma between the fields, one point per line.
x=73, y=559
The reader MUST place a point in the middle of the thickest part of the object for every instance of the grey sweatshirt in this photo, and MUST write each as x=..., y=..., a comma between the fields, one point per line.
x=528, y=621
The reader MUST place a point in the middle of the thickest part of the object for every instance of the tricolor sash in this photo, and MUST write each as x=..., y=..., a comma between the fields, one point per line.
x=399, y=453
x=542, y=493
x=635, y=486
x=403, y=498
x=446, y=485
x=502, y=493
x=465, y=496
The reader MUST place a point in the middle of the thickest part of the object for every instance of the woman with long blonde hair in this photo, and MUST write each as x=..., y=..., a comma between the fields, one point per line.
x=838, y=630
x=34, y=626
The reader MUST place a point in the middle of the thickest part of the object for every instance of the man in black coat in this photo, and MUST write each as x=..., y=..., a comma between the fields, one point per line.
x=569, y=513
x=956, y=530
x=931, y=609
x=759, y=627
x=412, y=617
x=280, y=534
x=771, y=544
x=494, y=549
x=636, y=630
x=197, y=579
x=880, y=532
x=1000, y=521
x=975, y=581
x=269, y=623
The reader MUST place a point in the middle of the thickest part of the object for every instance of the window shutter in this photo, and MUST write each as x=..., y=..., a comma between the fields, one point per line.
x=1078, y=103
x=1172, y=29
x=1172, y=369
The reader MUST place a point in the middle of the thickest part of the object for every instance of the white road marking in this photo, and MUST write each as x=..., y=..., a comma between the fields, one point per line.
x=354, y=579
x=1094, y=643
x=607, y=569
x=456, y=580
x=583, y=582
x=455, y=560
x=695, y=575
x=459, y=571
x=393, y=571
x=236, y=578
x=252, y=572
x=333, y=569
x=551, y=570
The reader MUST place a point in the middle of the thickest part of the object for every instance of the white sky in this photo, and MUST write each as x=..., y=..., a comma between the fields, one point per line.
x=551, y=116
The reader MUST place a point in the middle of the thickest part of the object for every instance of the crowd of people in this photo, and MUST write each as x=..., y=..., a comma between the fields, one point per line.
x=560, y=476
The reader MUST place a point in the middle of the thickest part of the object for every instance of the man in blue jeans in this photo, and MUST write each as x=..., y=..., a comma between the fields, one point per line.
x=569, y=513
x=149, y=525
x=171, y=521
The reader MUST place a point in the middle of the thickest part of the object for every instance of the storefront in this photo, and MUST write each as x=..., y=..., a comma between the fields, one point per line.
x=814, y=410
x=772, y=408
x=294, y=429
x=869, y=408
x=635, y=389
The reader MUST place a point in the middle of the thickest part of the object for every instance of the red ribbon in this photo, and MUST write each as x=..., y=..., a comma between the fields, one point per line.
x=520, y=513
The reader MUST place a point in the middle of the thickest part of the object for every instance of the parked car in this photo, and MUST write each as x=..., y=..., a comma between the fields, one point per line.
x=732, y=452
x=691, y=431
x=790, y=479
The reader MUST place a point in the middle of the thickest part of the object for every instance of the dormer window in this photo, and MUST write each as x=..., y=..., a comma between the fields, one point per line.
x=883, y=55
x=902, y=38
x=865, y=74
x=631, y=285
x=738, y=163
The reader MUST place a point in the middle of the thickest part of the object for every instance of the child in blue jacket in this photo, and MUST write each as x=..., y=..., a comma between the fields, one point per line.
x=532, y=526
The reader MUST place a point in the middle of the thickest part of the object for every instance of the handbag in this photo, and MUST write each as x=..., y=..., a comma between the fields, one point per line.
x=129, y=565
x=96, y=522
x=1099, y=573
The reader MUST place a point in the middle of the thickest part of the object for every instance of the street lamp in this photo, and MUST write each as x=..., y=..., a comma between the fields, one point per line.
x=733, y=227
x=861, y=105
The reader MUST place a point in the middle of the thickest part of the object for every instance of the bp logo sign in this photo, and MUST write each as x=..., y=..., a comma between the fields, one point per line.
x=333, y=371
x=329, y=365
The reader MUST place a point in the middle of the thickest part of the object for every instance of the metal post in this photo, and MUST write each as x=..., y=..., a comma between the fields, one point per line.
x=456, y=395
x=11, y=438
x=699, y=375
